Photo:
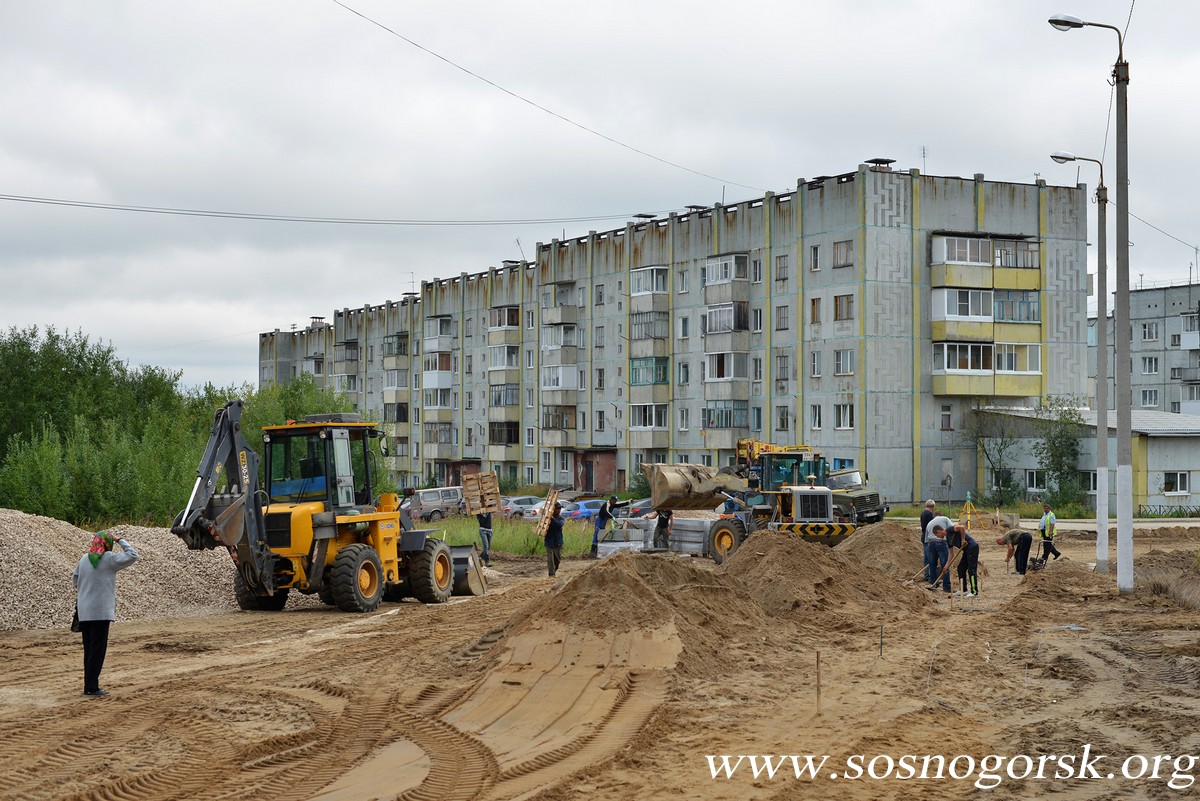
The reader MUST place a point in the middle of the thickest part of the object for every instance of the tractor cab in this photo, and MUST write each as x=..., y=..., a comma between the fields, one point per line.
x=323, y=458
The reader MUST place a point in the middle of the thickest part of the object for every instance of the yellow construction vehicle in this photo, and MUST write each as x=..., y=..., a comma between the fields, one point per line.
x=312, y=524
x=775, y=466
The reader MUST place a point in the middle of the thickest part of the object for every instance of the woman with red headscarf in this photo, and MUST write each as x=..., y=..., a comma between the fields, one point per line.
x=96, y=582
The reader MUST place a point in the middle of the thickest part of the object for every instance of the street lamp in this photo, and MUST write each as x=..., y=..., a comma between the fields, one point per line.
x=1121, y=330
x=1101, y=362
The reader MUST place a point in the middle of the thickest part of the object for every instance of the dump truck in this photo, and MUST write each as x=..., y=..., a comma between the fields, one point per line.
x=806, y=510
x=852, y=490
x=312, y=523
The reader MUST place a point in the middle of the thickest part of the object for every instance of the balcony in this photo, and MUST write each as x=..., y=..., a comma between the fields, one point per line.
x=1018, y=385
x=504, y=336
x=727, y=389
x=963, y=330
x=650, y=348
x=504, y=414
x=728, y=292
x=559, y=315
x=444, y=342
x=1190, y=375
x=964, y=384
x=651, y=393
x=439, y=414
x=504, y=453
x=650, y=302
x=553, y=357
x=397, y=395
x=722, y=438
x=557, y=438
x=1190, y=340
x=437, y=379
x=651, y=438
x=727, y=341
x=396, y=362
x=440, y=451
x=559, y=397
x=1012, y=278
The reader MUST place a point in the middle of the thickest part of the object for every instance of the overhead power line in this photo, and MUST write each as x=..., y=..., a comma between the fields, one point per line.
x=538, y=106
x=239, y=215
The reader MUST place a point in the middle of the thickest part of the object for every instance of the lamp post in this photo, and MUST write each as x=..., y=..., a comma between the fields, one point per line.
x=1101, y=362
x=1121, y=331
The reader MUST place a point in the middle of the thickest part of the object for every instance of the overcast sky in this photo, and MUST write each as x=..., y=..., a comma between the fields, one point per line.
x=304, y=108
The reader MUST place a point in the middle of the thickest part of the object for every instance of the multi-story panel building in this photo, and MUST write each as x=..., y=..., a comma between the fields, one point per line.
x=1164, y=349
x=862, y=314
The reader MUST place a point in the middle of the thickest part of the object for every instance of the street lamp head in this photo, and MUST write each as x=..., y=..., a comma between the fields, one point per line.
x=1065, y=22
x=1062, y=156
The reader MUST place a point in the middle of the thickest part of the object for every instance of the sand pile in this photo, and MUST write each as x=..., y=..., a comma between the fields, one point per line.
x=38, y=556
x=631, y=591
x=1173, y=574
x=890, y=547
x=806, y=582
x=1048, y=595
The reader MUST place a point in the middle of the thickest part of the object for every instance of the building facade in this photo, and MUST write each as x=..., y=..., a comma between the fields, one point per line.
x=862, y=314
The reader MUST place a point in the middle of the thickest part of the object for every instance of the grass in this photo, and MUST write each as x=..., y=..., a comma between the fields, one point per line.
x=515, y=537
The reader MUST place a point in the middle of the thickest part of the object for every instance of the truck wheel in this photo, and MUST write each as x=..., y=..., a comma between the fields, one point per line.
x=248, y=601
x=356, y=579
x=326, y=592
x=431, y=573
x=723, y=539
x=435, y=516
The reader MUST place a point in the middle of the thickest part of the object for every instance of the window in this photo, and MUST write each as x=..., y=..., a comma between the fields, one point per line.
x=843, y=362
x=756, y=271
x=843, y=253
x=815, y=364
x=1035, y=480
x=814, y=417
x=814, y=311
x=649, y=325
x=962, y=250
x=756, y=369
x=1014, y=358
x=504, y=317
x=682, y=281
x=684, y=331
x=781, y=367
x=1175, y=407
x=648, y=280
x=685, y=373
x=781, y=317
x=1176, y=340
x=529, y=436
x=648, y=415
x=529, y=319
x=643, y=372
x=529, y=398
x=843, y=415
x=558, y=418
x=814, y=258
x=599, y=294
x=724, y=366
x=600, y=420
x=599, y=378
x=756, y=418
x=756, y=320
x=558, y=377
x=843, y=307
x=434, y=327
x=564, y=461
x=685, y=418
x=781, y=267
x=529, y=358
x=528, y=475
x=1176, y=372
x=1149, y=365
x=1175, y=484
x=436, y=361
x=1149, y=398
x=725, y=317
x=976, y=303
x=723, y=269
x=1150, y=332
x=1016, y=306
x=500, y=395
x=1020, y=254
x=961, y=356
x=503, y=357
x=726, y=414
x=782, y=416
x=946, y=421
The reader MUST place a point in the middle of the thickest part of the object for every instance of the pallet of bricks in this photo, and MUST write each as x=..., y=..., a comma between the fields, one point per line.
x=543, y=523
x=481, y=492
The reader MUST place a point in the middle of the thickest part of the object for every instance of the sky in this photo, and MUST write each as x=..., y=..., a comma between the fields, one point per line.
x=547, y=119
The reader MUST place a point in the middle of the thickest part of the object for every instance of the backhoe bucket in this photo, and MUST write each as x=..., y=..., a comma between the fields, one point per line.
x=468, y=574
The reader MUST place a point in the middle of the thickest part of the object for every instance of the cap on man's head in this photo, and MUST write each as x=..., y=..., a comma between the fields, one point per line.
x=613, y=498
x=929, y=504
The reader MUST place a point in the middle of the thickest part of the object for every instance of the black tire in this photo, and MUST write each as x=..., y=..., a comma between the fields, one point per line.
x=431, y=573
x=249, y=602
x=326, y=592
x=356, y=579
x=435, y=516
x=723, y=539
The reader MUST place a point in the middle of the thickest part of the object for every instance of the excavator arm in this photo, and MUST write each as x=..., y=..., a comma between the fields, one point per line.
x=224, y=508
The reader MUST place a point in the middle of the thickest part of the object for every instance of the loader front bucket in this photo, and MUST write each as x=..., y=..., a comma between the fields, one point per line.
x=468, y=574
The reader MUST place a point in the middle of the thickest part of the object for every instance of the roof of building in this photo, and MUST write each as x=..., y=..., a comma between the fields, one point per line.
x=1150, y=423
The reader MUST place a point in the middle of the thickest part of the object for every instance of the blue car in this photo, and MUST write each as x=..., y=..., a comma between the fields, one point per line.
x=586, y=510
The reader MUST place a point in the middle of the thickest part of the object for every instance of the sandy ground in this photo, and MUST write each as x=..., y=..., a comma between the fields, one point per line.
x=619, y=678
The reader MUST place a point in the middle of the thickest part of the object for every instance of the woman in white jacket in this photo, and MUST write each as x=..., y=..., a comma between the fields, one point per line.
x=96, y=582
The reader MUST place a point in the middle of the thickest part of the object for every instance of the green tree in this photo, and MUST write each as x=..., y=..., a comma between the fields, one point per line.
x=1061, y=430
x=996, y=440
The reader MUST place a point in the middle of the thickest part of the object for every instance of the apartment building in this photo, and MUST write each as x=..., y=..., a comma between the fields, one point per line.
x=861, y=313
x=1164, y=349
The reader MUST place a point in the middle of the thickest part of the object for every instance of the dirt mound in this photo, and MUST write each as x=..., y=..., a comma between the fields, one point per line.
x=1173, y=574
x=1050, y=593
x=633, y=592
x=38, y=557
x=890, y=547
x=806, y=582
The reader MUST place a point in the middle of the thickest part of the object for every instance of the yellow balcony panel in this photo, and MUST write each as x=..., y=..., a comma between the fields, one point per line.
x=961, y=331
x=650, y=393
x=964, y=384
x=649, y=438
x=504, y=414
x=557, y=438
x=396, y=395
x=440, y=451
x=722, y=438
x=965, y=276
x=1018, y=332
x=434, y=414
x=650, y=348
x=504, y=336
x=504, y=453
x=1018, y=385
x=1012, y=278
x=557, y=315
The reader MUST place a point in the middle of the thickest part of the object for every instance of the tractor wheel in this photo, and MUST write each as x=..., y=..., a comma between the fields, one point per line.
x=248, y=601
x=326, y=592
x=431, y=573
x=723, y=539
x=356, y=579
x=435, y=516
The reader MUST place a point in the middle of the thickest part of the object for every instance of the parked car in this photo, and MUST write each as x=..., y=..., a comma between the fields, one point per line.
x=535, y=511
x=586, y=510
x=434, y=504
x=514, y=506
x=634, y=509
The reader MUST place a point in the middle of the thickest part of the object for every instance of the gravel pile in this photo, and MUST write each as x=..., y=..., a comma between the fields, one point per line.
x=38, y=556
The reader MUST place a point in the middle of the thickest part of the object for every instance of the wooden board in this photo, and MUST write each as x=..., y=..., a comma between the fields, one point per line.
x=481, y=492
x=543, y=524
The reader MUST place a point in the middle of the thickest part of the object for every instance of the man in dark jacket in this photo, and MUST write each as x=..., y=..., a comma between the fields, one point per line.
x=603, y=516
x=926, y=516
x=554, y=540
